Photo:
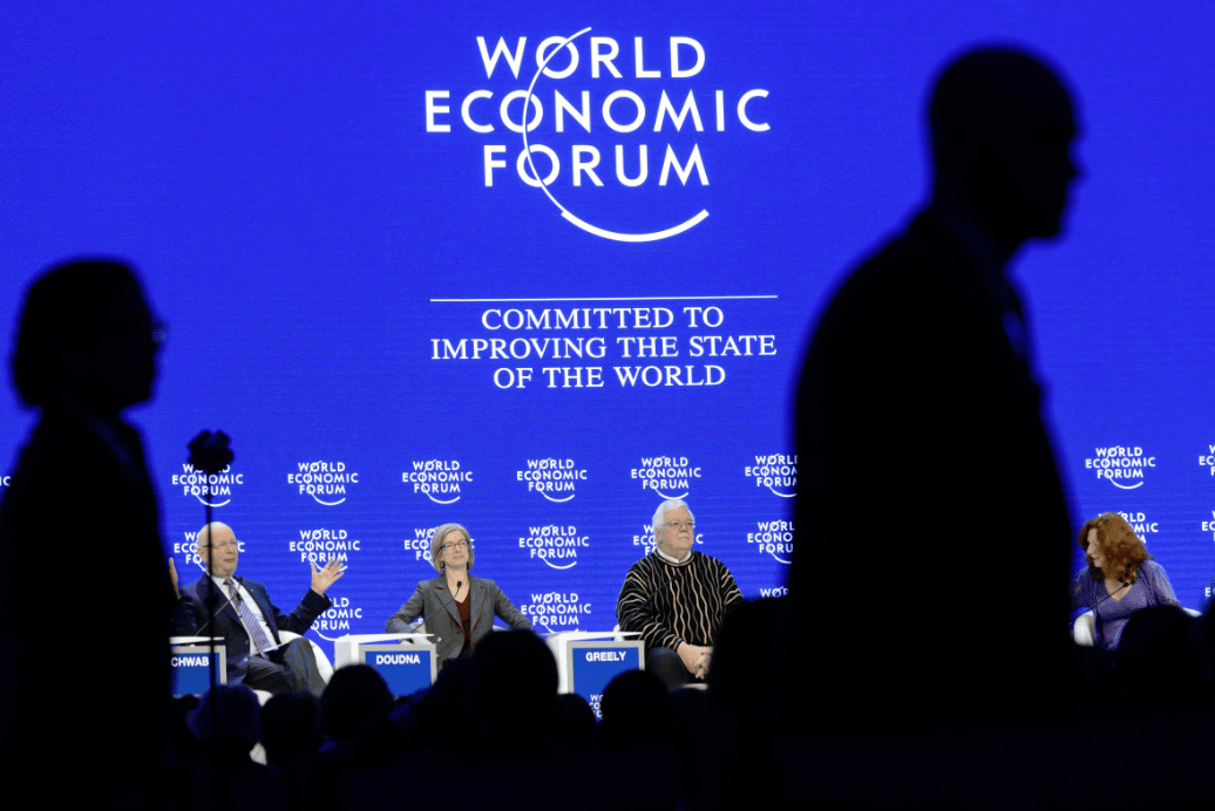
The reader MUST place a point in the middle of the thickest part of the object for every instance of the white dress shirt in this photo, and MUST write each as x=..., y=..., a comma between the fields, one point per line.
x=243, y=594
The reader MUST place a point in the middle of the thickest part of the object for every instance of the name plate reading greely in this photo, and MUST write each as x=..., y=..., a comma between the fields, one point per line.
x=191, y=667
x=595, y=663
x=405, y=668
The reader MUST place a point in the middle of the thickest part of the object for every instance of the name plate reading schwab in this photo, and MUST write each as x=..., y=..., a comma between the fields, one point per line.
x=191, y=666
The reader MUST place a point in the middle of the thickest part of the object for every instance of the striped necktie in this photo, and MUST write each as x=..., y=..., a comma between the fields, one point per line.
x=249, y=619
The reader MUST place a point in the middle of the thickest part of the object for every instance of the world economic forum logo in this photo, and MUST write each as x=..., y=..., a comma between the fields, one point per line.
x=572, y=119
x=775, y=471
x=440, y=480
x=773, y=538
x=419, y=544
x=214, y=490
x=556, y=546
x=668, y=476
x=1123, y=466
x=326, y=482
x=1207, y=460
x=556, y=609
x=1209, y=526
x=555, y=479
x=337, y=618
x=319, y=546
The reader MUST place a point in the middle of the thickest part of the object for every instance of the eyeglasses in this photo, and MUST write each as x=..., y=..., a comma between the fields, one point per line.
x=126, y=333
x=221, y=546
x=680, y=524
x=160, y=334
x=454, y=545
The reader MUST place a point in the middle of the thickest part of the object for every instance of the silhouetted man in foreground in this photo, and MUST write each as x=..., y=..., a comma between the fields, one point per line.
x=82, y=500
x=933, y=535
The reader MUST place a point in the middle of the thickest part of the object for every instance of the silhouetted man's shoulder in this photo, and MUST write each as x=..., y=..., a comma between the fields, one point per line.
x=909, y=323
x=912, y=353
x=921, y=272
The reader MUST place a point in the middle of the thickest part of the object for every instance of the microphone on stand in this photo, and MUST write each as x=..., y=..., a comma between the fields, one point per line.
x=227, y=602
x=210, y=454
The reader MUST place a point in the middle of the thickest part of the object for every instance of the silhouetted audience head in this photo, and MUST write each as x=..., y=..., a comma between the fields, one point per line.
x=86, y=338
x=1206, y=650
x=439, y=720
x=739, y=687
x=291, y=728
x=1160, y=660
x=1001, y=125
x=183, y=743
x=514, y=684
x=573, y=724
x=231, y=714
x=636, y=709
x=355, y=695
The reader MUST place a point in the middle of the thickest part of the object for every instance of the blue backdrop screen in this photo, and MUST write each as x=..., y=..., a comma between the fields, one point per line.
x=535, y=269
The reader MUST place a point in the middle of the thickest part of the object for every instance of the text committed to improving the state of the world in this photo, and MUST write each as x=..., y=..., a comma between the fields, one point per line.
x=550, y=348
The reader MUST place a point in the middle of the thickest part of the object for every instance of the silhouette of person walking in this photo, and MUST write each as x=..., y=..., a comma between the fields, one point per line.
x=931, y=567
x=81, y=500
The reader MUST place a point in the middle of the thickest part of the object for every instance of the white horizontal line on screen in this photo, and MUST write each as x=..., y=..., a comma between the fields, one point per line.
x=591, y=298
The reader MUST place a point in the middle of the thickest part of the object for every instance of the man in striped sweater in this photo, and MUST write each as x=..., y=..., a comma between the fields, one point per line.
x=676, y=598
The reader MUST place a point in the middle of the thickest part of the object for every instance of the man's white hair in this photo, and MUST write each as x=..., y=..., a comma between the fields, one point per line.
x=204, y=534
x=665, y=507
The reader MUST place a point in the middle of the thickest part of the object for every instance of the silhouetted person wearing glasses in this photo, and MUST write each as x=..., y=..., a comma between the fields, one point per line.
x=933, y=532
x=82, y=499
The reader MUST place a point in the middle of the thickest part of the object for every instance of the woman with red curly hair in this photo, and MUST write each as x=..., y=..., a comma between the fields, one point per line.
x=1121, y=577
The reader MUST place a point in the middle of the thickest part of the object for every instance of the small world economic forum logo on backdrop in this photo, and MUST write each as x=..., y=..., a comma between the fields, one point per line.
x=1207, y=460
x=419, y=544
x=319, y=546
x=555, y=479
x=328, y=483
x=776, y=472
x=443, y=481
x=556, y=610
x=773, y=538
x=667, y=476
x=1123, y=466
x=1208, y=525
x=213, y=490
x=603, y=126
x=337, y=618
x=555, y=546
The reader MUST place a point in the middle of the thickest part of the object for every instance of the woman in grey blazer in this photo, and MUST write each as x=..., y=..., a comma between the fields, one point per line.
x=458, y=608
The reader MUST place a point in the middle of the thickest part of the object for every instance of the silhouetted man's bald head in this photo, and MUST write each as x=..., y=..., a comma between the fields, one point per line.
x=1002, y=125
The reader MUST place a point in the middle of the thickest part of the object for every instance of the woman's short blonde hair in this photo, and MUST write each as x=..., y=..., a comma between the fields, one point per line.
x=436, y=545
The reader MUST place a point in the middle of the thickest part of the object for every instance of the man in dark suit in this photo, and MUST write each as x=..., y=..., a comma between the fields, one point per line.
x=85, y=351
x=249, y=623
x=933, y=548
